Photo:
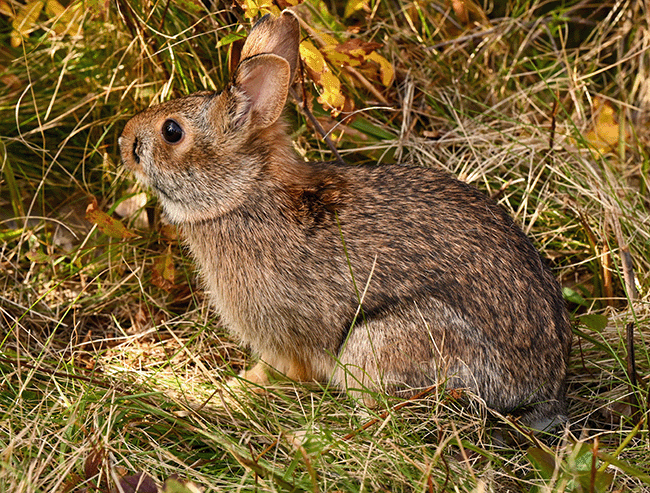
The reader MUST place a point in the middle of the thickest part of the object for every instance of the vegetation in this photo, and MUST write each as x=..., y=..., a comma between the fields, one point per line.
x=113, y=365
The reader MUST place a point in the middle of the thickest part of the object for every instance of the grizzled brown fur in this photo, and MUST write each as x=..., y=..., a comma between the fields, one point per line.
x=452, y=288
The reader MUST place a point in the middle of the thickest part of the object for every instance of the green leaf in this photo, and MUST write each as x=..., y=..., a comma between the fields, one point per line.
x=544, y=461
x=574, y=297
x=229, y=39
x=594, y=321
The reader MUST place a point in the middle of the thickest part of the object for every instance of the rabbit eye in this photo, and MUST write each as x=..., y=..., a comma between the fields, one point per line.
x=172, y=132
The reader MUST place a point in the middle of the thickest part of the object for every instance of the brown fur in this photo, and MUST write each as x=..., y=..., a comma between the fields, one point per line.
x=452, y=288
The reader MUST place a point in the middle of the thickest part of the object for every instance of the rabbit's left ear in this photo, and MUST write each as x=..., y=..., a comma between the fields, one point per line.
x=265, y=80
x=278, y=36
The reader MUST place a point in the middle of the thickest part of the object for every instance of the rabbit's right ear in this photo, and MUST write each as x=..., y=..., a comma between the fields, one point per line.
x=279, y=36
x=268, y=66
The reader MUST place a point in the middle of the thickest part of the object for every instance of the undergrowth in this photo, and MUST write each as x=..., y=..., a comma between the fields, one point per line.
x=112, y=363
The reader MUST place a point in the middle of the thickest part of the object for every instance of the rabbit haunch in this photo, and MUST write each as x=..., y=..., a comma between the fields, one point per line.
x=452, y=290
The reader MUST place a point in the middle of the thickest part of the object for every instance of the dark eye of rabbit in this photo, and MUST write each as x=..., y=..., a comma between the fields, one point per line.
x=172, y=132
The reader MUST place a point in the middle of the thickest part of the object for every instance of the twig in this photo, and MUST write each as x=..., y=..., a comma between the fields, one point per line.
x=633, y=398
x=556, y=106
x=316, y=125
x=626, y=259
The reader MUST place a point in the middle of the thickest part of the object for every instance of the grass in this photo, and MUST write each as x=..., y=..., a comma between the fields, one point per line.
x=111, y=361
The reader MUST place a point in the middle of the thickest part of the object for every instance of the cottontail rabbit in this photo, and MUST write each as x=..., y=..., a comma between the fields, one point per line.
x=387, y=277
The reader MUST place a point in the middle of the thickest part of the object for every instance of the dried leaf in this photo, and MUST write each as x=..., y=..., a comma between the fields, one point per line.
x=352, y=53
x=460, y=9
x=355, y=52
x=11, y=81
x=163, y=272
x=140, y=482
x=283, y=4
x=606, y=130
x=39, y=257
x=66, y=20
x=5, y=9
x=25, y=21
x=385, y=68
x=357, y=48
x=106, y=224
x=93, y=462
x=175, y=485
x=133, y=205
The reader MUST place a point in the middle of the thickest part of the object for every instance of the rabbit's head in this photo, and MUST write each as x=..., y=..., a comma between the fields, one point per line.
x=201, y=154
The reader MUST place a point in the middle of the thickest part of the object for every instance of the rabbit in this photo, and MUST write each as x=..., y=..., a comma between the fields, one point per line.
x=391, y=278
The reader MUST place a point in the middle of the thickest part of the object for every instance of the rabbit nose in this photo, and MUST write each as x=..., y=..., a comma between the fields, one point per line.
x=136, y=157
x=123, y=142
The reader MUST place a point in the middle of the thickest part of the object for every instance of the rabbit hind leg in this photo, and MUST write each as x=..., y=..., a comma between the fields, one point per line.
x=272, y=366
x=390, y=355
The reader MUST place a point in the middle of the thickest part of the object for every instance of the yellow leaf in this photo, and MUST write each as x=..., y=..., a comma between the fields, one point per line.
x=606, y=131
x=65, y=20
x=352, y=53
x=5, y=9
x=327, y=39
x=25, y=21
x=312, y=58
x=262, y=7
x=54, y=8
x=340, y=59
x=385, y=68
x=352, y=6
x=331, y=97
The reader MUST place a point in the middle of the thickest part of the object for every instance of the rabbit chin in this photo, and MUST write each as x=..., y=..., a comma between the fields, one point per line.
x=178, y=213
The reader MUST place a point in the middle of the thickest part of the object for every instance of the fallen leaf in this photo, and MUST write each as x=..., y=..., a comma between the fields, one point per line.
x=107, y=224
x=139, y=482
x=262, y=7
x=175, y=485
x=606, y=131
x=39, y=257
x=594, y=321
x=93, y=462
x=163, y=272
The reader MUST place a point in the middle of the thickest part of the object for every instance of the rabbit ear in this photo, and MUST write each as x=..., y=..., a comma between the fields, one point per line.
x=279, y=36
x=265, y=80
